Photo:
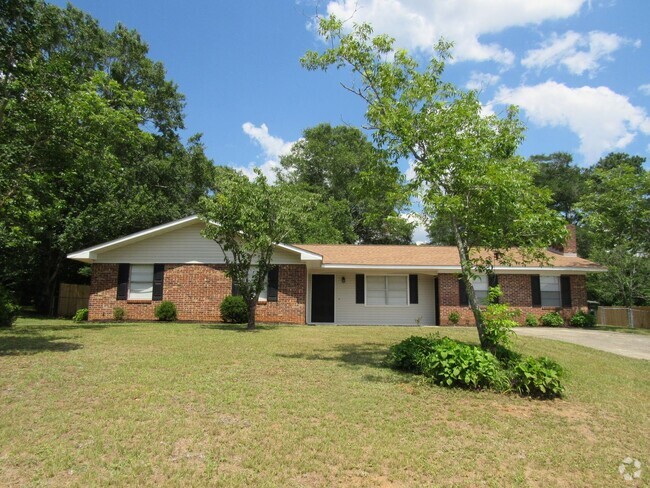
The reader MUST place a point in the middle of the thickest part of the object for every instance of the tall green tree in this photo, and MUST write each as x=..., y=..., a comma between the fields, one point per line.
x=89, y=144
x=465, y=161
x=615, y=211
x=362, y=187
x=247, y=218
x=565, y=180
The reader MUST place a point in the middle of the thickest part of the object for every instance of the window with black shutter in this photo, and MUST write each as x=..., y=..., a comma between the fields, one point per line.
x=462, y=293
x=360, y=289
x=272, y=288
x=565, y=290
x=536, y=291
x=123, y=281
x=158, y=279
x=413, y=289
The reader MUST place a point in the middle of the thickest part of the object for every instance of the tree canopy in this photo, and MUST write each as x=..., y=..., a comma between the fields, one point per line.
x=467, y=171
x=89, y=143
x=246, y=218
x=364, y=190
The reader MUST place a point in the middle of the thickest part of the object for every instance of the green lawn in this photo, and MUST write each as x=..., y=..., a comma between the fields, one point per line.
x=188, y=405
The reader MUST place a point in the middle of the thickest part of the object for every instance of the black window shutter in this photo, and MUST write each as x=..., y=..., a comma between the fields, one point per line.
x=565, y=289
x=123, y=281
x=493, y=280
x=272, y=290
x=462, y=292
x=361, y=292
x=413, y=288
x=234, y=289
x=536, y=291
x=158, y=279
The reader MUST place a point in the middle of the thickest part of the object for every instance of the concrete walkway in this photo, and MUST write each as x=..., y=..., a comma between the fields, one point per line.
x=631, y=345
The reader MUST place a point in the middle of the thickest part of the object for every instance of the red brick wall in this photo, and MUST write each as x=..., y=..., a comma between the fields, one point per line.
x=197, y=291
x=516, y=292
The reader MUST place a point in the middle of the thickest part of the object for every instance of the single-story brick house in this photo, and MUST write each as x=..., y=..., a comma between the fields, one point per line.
x=318, y=284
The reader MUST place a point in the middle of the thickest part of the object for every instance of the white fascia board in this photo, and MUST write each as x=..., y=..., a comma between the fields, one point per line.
x=520, y=269
x=89, y=254
x=304, y=255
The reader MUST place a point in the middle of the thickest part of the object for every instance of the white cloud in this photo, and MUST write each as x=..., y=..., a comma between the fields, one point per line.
x=645, y=89
x=602, y=119
x=272, y=146
x=480, y=81
x=420, y=234
x=410, y=171
x=578, y=53
x=418, y=24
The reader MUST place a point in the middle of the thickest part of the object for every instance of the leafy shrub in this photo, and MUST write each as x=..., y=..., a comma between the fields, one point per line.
x=551, y=319
x=407, y=355
x=8, y=308
x=454, y=318
x=119, y=314
x=81, y=315
x=582, y=319
x=498, y=320
x=234, y=310
x=531, y=320
x=452, y=363
x=537, y=377
x=166, y=311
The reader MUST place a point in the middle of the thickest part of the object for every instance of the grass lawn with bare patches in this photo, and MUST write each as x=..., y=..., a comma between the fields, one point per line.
x=190, y=404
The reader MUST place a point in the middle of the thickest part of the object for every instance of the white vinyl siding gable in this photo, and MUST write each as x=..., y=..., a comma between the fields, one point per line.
x=182, y=245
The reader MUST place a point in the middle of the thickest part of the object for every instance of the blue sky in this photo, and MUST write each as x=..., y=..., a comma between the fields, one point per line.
x=579, y=69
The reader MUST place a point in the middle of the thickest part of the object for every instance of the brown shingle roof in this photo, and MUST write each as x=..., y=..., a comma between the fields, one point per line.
x=387, y=255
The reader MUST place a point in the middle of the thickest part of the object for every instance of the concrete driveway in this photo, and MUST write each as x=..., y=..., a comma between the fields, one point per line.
x=631, y=345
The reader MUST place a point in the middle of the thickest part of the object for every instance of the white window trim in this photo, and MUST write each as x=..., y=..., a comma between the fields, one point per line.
x=365, y=291
x=129, y=298
x=559, y=292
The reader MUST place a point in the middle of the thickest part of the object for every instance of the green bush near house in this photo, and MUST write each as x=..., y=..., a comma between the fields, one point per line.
x=166, y=311
x=119, y=314
x=8, y=308
x=81, y=315
x=407, y=355
x=454, y=318
x=551, y=319
x=531, y=320
x=583, y=319
x=234, y=310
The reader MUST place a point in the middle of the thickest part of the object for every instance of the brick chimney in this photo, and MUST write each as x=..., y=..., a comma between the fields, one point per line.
x=570, y=246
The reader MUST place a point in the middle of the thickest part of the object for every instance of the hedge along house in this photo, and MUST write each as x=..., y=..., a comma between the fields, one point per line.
x=318, y=284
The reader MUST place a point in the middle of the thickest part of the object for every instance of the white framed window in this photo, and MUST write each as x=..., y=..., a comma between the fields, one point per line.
x=481, y=285
x=550, y=290
x=390, y=290
x=141, y=282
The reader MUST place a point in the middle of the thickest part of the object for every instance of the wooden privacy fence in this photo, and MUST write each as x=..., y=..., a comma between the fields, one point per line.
x=72, y=298
x=638, y=317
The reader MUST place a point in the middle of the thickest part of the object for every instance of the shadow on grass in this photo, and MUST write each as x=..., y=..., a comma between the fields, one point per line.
x=12, y=345
x=239, y=327
x=370, y=354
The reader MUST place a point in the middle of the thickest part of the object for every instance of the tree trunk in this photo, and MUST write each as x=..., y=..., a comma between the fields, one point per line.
x=252, y=306
x=466, y=266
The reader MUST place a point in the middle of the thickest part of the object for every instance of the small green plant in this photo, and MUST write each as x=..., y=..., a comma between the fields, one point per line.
x=455, y=364
x=531, y=320
x=166, y=311
x=406, y=355
x=498, y=320
x=454, y=318
x=234, y=310
x=8, y=308
x=583, y=319
x=81, y=315
x=551, y=319
x=119, y=314
x=537, y=377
